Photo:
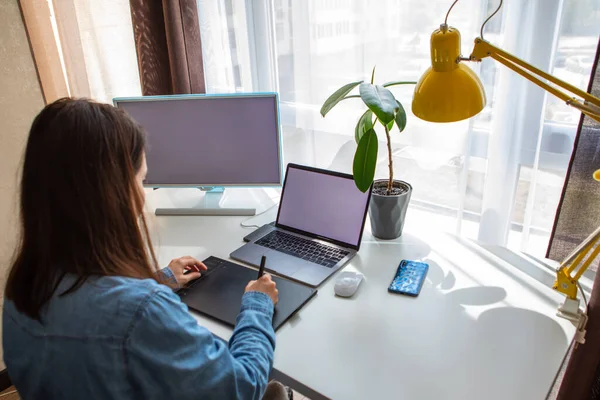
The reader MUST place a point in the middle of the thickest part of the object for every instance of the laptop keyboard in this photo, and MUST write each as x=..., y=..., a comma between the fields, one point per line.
x=299, y=247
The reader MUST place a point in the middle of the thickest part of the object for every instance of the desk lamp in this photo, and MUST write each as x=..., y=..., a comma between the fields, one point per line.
x=449, y=91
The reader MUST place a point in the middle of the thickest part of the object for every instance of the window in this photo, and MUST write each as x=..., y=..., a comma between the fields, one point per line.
x=496, y=177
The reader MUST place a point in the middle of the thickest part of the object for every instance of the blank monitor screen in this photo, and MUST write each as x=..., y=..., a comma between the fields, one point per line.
x=209, y=140
x=326, y=205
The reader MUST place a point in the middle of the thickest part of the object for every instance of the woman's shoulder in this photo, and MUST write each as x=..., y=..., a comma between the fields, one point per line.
x=120, y=295
x=110, y=289
x=134, y=286
x=101, y=307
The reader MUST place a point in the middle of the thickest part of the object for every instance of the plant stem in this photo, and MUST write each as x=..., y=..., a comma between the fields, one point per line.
x=389, y=146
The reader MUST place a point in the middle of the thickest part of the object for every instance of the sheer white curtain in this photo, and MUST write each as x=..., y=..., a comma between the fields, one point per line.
x=218, y=63
x=496, y=177
x=87, y=46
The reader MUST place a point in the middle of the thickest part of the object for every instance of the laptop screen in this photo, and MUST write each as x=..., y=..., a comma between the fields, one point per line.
x=323, y=203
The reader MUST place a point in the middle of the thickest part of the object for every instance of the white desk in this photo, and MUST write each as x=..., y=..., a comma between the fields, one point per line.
x=480, y=329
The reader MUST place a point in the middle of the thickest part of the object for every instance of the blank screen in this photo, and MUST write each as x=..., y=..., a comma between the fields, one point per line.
x=209, y=140
x=325, y=205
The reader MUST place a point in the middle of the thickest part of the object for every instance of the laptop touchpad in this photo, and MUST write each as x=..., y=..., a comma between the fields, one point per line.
x=282, y=263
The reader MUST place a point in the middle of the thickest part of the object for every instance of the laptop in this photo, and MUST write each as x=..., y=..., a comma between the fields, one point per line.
x=319, y=226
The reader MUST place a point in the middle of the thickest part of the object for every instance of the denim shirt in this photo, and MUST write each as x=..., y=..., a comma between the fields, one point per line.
x=125, y=338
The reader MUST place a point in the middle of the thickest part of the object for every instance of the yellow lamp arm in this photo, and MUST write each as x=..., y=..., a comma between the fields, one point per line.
x=565, y=282
x=590, y=104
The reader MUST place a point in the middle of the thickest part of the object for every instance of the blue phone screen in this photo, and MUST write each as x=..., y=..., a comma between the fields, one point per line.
x=409, y=278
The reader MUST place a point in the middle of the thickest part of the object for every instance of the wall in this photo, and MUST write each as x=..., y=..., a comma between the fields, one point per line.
x=20, y=100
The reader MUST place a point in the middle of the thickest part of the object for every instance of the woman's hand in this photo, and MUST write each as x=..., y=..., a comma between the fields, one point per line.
x=266, y=286
x=181, y=265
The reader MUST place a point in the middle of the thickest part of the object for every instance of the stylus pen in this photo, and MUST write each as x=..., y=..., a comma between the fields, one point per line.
x=261, y=270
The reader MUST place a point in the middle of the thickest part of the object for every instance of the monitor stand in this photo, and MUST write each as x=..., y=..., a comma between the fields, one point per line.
x=213, y=201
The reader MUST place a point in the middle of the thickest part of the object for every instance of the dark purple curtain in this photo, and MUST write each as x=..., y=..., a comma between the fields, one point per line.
x=577, y=216
x=168, y=45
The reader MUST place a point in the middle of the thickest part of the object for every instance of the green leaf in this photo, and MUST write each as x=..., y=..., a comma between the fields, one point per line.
x=396, y=83
x=373, y=75
x=365, y=160
x=337, y=96
x=400, y=117
x=380, y=100
x=365, y=123
x=390, y=125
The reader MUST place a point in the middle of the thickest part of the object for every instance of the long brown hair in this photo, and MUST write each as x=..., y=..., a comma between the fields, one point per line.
x=80, y=205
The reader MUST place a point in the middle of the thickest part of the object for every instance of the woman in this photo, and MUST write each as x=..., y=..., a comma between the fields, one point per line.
x=86, y=314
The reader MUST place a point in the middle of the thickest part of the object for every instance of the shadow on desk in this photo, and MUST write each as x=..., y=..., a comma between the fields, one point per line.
x=500, y=257
x=504, y=333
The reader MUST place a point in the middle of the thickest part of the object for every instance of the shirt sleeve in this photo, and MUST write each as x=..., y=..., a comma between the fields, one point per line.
x=169, y=276
x=168, y=355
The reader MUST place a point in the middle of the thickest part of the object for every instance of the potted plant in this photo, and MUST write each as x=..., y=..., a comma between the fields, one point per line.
x=390, y=197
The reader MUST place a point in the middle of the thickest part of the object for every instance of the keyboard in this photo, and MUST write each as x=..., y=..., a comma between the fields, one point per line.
x=327, y=256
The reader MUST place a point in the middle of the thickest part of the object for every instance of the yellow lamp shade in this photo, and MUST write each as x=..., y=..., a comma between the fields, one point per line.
x=448, y=91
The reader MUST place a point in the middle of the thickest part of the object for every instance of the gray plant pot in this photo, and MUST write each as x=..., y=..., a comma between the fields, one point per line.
x=387, y=212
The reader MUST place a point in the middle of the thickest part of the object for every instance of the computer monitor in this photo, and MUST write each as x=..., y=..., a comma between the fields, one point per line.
x=210, y=141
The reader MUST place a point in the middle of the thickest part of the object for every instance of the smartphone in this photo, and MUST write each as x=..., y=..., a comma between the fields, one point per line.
x=409, y=278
